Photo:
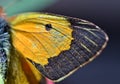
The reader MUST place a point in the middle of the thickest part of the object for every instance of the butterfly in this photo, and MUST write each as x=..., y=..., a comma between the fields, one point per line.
x=38, y=44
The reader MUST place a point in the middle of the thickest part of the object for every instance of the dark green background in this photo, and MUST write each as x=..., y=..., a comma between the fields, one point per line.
x=13, y=7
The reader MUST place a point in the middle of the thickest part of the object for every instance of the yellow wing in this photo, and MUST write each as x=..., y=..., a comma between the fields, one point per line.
x=56, y=45
x=21, y=71
x=31, y=38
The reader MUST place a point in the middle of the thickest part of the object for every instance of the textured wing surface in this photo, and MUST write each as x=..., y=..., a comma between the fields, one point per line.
x=56, y=45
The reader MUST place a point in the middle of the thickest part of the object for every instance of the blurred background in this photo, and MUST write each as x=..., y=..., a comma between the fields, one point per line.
x=104, y=13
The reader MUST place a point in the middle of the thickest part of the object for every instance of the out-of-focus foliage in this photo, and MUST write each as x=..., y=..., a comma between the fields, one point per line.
x=13, y=7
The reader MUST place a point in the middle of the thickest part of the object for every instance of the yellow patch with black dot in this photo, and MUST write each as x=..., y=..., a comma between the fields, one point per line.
x=53, y=45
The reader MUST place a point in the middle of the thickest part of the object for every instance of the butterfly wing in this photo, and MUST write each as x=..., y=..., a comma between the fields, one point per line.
x=56, y=45
x=21, y=71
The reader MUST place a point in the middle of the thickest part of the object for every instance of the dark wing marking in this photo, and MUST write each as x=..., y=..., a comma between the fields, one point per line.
x=89, y=40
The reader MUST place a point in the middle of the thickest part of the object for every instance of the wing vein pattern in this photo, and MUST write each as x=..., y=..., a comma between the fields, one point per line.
x=69, y=44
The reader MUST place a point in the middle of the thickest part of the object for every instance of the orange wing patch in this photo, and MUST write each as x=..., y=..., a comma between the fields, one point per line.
x=34, y=42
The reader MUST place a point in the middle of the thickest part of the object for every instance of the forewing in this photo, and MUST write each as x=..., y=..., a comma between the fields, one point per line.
x=59, y=49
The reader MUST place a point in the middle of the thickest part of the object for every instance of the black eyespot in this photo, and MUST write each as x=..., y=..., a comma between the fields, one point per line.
x=48, y=27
